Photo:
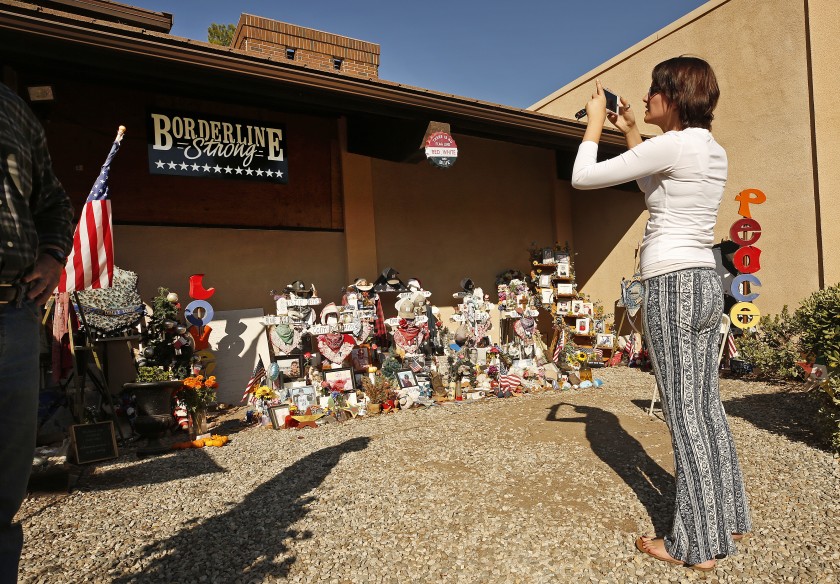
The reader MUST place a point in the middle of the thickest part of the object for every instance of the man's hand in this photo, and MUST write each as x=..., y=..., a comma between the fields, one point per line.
x=43, y=278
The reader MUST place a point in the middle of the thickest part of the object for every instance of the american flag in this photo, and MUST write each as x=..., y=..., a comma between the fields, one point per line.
x=730, y=344
x=256, y=377
x=509, y=381
x=414, y=365
x=91, y=261
x=561, y=344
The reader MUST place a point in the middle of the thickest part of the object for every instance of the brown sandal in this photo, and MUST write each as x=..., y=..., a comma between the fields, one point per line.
x=641, y=540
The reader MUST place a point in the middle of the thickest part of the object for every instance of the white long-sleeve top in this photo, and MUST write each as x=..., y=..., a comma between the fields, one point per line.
x=682, y=174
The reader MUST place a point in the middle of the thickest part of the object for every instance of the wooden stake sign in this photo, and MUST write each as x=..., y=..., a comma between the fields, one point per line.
x=745, y=232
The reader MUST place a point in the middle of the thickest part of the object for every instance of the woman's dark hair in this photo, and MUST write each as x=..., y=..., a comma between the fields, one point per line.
x=691, y=86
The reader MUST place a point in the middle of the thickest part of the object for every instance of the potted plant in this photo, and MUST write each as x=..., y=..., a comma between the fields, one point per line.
x=377, y=391
x=162, y=363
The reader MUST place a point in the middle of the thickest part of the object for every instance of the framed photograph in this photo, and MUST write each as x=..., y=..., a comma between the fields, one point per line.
x=304, y=397
x=604, y=340
x=548, y=256
x=563, y=270
x=278, y=415
x=577, y=306
x=582, y=326
x=406, y=378
x=291, y=366
x=599, y=326
x=565, y=289
x=545, y=280
x=588, y=309
x=564, y=306
x=360, y=357
x=331, y=376
x=546, y=295
x=561, y=257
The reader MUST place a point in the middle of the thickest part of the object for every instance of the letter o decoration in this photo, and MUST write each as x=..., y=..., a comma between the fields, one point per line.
x=192, y=318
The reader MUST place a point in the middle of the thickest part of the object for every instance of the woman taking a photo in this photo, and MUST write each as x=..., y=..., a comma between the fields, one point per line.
x=682, y=173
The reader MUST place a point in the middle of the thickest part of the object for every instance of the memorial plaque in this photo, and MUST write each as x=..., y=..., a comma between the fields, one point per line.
x=94, y=442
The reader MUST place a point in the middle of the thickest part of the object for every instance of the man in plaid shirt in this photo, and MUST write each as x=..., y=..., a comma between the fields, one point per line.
x=36, y=232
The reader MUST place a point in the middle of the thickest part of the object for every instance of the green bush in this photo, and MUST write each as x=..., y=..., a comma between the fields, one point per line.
x=828, y=422
x=771, y=348
x=811, y=332
x=818, y=324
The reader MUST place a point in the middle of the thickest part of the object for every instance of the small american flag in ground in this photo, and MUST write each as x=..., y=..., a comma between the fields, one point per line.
x=509, y=381
x=730, y=345
x=561, y=344
x=256, y=377
x=91, y=261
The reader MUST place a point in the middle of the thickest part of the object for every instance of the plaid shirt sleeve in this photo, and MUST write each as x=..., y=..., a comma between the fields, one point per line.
x=35, y=211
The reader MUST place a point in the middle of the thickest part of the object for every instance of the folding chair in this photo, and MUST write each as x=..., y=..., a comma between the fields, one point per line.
x=725, y=323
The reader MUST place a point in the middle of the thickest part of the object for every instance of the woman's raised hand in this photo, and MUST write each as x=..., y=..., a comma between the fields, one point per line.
x=596, y=108
x=625, y=120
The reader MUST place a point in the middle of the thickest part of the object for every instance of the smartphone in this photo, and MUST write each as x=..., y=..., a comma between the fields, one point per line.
x=612, y=101
x=612, y=105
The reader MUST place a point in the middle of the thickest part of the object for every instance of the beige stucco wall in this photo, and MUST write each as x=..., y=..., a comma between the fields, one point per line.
x=758, y=51
x=825, y=24
x=475, y=219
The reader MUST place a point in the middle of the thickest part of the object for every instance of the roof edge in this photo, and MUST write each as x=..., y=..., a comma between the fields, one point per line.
x=23, y=17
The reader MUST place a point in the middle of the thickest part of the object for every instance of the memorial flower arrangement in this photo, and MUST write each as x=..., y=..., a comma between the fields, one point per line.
x=263, y=395
x=197, y=392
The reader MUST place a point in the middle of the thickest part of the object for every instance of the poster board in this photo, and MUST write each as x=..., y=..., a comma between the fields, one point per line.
x=237, y=340
x=94, y=442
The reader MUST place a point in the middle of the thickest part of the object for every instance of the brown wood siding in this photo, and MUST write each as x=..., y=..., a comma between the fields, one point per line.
x=86, y=116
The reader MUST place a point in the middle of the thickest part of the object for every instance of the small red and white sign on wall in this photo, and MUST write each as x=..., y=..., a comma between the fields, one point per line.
x=441, y=150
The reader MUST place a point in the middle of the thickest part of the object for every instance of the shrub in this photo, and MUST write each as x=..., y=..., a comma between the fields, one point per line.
x=771, y=348
x=811, y=332
x=818, y=323
x=828, y=422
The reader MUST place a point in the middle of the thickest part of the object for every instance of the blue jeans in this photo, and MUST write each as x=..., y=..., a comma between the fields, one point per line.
x=19, y=354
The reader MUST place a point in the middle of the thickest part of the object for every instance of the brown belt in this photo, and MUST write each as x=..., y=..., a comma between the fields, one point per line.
x=10, y=293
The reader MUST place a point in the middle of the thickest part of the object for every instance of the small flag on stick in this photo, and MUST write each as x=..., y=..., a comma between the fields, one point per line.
x=91, y=261
x=256, y=378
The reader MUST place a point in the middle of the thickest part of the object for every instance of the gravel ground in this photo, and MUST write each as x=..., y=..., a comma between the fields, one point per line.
x=544, y=488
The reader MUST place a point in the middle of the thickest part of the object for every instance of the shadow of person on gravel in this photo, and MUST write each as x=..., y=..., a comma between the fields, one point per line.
x=788, y=414
x=149, y=471
x=243, y=542
x=653, y=485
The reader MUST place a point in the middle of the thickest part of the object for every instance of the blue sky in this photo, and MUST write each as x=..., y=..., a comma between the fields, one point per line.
x=513, y=53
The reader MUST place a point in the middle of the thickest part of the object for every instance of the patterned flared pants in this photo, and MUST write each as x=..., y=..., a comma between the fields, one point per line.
x=682, y=313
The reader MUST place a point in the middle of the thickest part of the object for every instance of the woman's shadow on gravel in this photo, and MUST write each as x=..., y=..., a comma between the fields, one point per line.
x=244, y=541
x=653, y=485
